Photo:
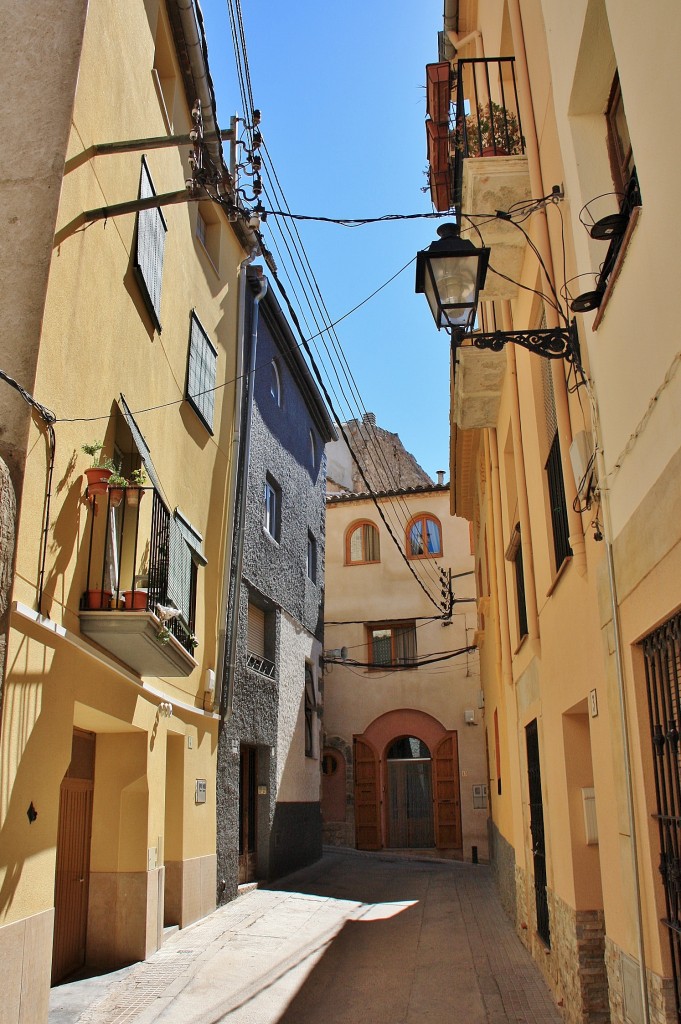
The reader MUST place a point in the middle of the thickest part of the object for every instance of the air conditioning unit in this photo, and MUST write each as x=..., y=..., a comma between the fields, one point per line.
x=583, y=459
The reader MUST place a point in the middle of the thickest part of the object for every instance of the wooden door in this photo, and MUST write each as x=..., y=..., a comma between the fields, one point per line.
x=72, y=877
x=367, y=803
x=447, y=794
x=410, y=804
x=537, y=831
x=248, y=816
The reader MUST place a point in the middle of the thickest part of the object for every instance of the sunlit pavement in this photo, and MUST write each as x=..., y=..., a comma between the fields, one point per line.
x=354, y=938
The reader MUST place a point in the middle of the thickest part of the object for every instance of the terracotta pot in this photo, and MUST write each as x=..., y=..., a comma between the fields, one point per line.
x=116, y=496
x=97, y=480
x=135, y=600
x=133, y=496
x=97, y=600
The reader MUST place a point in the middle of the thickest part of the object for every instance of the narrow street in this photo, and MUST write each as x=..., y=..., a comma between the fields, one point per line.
x=356, y=937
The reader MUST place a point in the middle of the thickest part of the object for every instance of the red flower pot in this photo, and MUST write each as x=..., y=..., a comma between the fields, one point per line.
x=135, y=600
x=97, y=480
x=97, y=600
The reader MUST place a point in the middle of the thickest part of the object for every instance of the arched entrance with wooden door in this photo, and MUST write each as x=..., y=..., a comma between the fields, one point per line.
x=407, y=793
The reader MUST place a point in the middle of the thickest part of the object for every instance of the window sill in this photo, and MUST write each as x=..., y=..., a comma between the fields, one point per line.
x=270, y=538
x=619, y=262
x=520, y=646
x=559, y=575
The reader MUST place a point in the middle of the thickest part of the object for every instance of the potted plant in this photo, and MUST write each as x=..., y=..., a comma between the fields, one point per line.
x=496, y=128
x=117, y=487
x=98, y=600
x=134, y=493
x=97, y=475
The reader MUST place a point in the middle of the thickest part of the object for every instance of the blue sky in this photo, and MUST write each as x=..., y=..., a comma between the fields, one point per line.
x=342, y=94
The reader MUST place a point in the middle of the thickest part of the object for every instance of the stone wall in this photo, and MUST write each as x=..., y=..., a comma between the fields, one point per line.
x=624, y=989
x=578, y=944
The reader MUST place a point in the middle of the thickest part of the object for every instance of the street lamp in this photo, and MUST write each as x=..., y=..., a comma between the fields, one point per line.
x=451, y=272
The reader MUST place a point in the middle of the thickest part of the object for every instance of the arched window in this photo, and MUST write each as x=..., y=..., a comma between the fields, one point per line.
x=362, y=544
x=408, y=748
x=424, y=537
x=275, y=382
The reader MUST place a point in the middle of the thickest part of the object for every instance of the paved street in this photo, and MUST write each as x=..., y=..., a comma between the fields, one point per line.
x=355, y=938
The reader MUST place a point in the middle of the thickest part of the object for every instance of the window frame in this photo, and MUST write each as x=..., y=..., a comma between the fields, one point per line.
x=395, y=626
x=311, y=557
x=272, y=509
x=360, y=524
x=309, y=704
x=275, y=384
x=203, y=403
x=621, y=158
x=424, y=518
x=150, y=248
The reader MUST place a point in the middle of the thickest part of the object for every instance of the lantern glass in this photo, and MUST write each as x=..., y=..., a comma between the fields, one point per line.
x=451, y=273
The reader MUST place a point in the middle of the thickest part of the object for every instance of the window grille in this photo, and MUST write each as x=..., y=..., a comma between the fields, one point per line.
x=201, y=372
x=559, y=519
x=662, y=653
x=151, y=232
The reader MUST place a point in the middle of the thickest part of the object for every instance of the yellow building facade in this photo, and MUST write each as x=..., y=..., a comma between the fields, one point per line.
x=568, y=470
x=116, y=628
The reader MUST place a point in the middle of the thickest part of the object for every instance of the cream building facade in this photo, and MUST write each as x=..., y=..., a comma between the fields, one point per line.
x=116, y=623
x=403, y=762
x=571, y=480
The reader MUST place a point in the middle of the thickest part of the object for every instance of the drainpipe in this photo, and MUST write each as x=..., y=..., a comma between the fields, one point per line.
x=214, y=700
x=239, y=528
x=532, y=147
x=576, y=533
x=458, y=42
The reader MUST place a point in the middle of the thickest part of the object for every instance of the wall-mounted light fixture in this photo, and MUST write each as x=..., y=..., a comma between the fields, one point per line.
x=451, y=272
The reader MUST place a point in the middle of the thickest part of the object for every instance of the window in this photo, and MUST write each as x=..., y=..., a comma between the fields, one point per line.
x=310, y=703
x=275, y=383
x=514, y=553
x=559, y=519
x=313, y=449
x=392, y=644
x=151, y=235
x=201, y=372
x=163, y=73
x=259, y=644
x=272, y=507
x=424, y=537
x=208, y=232
x=362, y=544
x=619, y=142
x=311, y=557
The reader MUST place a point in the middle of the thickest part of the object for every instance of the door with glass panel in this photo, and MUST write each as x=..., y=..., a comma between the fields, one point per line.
x=410, y=795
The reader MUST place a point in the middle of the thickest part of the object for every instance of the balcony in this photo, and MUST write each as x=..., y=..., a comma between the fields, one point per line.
x=438, y=102
x=141, y=582
x=490, y=169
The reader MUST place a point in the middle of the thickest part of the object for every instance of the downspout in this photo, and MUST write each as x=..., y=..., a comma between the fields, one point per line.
x=576, y=533
x=458, y=42
x=215, y=700
x=622, y=701
x=238, y=543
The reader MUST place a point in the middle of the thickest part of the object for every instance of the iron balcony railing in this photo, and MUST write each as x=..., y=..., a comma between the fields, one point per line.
x=486, y=114
x=261, y=665
x=131, y=566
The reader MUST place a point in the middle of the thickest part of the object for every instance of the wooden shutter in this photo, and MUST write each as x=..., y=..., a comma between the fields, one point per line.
x=151, y=232
x=447, y=794
x=256, y=631
x=367, y=802
x=201, y=372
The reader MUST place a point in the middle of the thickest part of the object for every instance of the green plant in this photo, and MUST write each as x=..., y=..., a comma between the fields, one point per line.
x=116, y=480
x=495, y=127
x=94, y=451
x=138, y=477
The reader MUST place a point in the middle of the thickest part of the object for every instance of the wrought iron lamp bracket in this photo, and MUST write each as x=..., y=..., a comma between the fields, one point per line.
x=551, y=342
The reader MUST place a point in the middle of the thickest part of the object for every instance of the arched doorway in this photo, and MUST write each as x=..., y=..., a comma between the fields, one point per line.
x=404, y=758
x=410, y=794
